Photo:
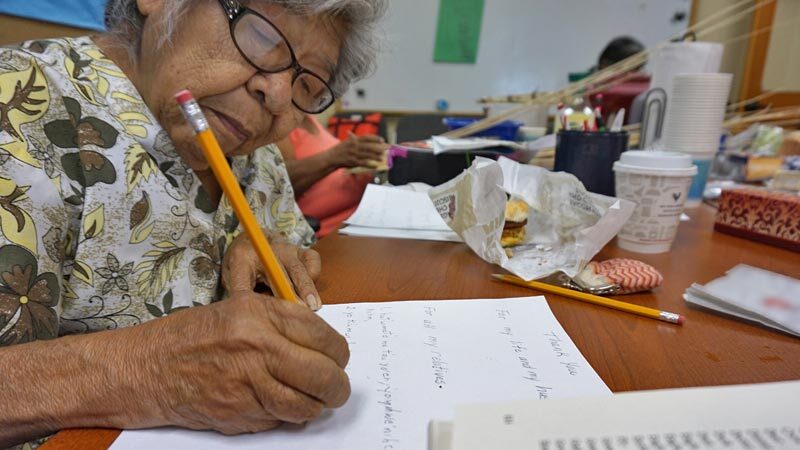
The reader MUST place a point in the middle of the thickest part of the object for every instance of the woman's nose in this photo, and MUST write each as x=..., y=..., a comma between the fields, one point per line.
x=274, y=90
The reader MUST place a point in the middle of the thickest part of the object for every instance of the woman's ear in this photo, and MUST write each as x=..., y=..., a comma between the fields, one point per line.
x=148, y=7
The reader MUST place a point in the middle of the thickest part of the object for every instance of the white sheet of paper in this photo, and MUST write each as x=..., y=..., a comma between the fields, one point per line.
x=392, y=207
x=755, y=417
x=547, y=141
x=395, y=233
x=414, y=361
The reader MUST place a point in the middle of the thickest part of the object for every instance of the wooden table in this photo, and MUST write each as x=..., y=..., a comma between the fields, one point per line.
x=629, y=352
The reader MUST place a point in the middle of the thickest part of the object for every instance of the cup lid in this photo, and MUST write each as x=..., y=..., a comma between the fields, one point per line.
x=661, y=162
x=656, y=159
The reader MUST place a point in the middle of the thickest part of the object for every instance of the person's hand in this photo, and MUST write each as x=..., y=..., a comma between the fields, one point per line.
x=358, y=151
x=242, y=269
x=242, y=365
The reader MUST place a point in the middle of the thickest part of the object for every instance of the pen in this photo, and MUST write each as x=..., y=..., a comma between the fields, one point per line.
x=222, y=171
x=619, y=119
x=598, y=119
x=595, y=299
x=560, y=116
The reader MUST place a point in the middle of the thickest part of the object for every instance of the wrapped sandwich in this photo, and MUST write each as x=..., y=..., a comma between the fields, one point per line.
x=516, y=217
x=550, y=224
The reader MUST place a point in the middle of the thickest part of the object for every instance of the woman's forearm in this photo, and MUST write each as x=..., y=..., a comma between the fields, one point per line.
x=203, y=368
x=305, y=172
x=74, y=381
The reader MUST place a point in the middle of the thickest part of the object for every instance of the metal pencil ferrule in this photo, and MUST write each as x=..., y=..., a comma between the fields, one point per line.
x=194, y=115
x=669, y=317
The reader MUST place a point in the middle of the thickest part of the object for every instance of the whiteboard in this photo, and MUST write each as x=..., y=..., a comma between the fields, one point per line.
x=524, y=45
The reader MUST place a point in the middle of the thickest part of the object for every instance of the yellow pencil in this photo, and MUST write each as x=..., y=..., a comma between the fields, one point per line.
x=595, y=299
x=222, y=171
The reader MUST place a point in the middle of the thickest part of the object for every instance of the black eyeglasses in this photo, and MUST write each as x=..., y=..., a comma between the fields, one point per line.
x=267, y=49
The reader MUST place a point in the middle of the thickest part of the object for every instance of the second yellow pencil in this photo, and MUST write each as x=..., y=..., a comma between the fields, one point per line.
x=595, y=299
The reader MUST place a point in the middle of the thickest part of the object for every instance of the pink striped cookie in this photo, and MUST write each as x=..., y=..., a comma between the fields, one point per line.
x=629, y=274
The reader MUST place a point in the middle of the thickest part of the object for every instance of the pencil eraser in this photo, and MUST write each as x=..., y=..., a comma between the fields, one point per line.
x=184, y=96
x=681, y=319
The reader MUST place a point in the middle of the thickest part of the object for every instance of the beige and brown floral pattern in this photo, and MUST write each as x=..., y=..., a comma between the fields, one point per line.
x=102, y=225
x=27, y=298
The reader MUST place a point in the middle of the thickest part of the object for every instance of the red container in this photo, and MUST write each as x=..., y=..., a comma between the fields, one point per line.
x=761, y=215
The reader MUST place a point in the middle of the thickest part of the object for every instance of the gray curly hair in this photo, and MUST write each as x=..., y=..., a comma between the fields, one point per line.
x=359, y=18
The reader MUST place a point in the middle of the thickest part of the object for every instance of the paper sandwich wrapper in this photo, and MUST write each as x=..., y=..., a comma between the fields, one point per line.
x=567, y=226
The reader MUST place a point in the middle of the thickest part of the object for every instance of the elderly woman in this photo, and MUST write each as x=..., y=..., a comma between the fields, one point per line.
x=110, y=217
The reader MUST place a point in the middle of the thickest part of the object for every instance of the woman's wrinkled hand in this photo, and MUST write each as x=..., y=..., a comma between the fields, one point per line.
x=359, y=151
x=246, y=364
x=242, y=269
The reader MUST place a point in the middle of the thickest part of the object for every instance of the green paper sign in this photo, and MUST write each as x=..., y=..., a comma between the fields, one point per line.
x=458, y=31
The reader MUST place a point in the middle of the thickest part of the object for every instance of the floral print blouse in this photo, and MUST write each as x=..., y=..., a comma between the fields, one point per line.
x=102, y=225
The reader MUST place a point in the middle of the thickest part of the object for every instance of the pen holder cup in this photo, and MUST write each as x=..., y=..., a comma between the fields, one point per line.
x=590, y=156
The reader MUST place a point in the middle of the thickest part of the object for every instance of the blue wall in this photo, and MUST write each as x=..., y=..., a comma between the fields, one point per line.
x=76, y=13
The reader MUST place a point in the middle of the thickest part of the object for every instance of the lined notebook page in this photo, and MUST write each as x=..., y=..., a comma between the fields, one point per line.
x=755, y=417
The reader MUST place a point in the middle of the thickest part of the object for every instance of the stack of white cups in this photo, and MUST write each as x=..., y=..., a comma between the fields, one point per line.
x=695, y=112
x=675, y=58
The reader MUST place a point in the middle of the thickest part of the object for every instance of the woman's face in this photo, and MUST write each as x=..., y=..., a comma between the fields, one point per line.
x=245, y=108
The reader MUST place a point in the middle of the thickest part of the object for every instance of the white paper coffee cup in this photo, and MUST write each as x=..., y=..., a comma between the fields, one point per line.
x=658, y=182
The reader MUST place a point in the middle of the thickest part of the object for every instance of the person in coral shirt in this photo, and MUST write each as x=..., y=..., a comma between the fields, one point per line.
x=317, y=163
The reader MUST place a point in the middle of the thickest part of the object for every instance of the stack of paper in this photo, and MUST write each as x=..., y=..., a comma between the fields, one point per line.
x=395, y=212
x=412, y=362
x=521, y=152
x=442, y=144
x=752, y=294
x=753, y=417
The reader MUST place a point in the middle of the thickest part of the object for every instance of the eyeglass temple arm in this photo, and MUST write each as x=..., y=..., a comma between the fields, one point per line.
x=231, y=7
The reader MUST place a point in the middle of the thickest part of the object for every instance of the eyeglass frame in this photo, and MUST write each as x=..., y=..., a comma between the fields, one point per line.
x=234, y=11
